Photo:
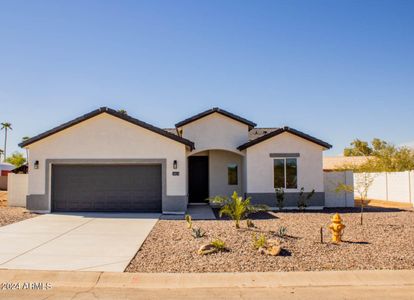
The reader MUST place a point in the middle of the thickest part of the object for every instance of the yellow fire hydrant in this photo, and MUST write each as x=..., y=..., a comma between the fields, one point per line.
x=336, y=228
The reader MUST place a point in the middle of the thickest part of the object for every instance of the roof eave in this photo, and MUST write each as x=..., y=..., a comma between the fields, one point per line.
x=281, y=130
x=113, y=113
x=223, y=112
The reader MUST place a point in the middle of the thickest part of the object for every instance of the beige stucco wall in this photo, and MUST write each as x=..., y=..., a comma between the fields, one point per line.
x=218, y=181
x=216, y=131
x=259, y=165
x=108, y=137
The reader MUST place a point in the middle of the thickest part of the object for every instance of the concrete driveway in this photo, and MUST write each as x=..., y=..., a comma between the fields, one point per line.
x=83, y=242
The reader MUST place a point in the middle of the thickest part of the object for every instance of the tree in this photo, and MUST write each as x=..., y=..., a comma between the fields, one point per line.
x=5, y=126
x=17, y=159
x=381, y=156
x=358, y=148
x=122, y=111
x=363, y=183
x=1, y=153
x=25, y=138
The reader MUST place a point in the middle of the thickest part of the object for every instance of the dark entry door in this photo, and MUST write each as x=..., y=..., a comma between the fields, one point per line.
x=106, y=188
x=197, y=179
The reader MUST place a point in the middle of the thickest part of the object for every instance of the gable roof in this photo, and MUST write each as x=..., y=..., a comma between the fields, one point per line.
x=282, y=130
x=111, y=112
x=216, y=110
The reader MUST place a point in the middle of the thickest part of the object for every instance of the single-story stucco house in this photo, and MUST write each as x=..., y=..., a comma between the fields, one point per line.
x=109, y=161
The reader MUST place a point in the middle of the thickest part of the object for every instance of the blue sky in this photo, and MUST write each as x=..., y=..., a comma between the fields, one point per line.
x=333, y=69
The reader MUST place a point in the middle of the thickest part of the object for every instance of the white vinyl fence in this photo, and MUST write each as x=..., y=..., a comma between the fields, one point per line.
x=338, y=199
x=17, y=189
x=395, y=186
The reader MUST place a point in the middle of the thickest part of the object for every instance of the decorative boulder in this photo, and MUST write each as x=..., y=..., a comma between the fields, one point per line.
x=274, y=250
x=273, y=242
x=206, y=249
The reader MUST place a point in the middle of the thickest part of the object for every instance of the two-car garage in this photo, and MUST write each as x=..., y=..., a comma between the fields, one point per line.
x=107, y=161
x=106, y=187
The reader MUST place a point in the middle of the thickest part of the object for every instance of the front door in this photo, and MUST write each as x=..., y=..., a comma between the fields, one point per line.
x=198, y=179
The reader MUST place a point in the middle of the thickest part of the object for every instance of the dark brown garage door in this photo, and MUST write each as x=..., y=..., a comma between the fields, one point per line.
x=107, y=188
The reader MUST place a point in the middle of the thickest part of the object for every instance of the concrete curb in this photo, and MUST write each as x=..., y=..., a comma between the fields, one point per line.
x=87, y=280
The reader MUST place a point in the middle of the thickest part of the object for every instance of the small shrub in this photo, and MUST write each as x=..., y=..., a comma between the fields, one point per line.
x=218, y=244
x=189, y=221
x=303, y=200
x=280, y=198
x=250, y=223
x=212, y=247
x=282, y=231
x=217, y=201
x=259, y=242
x=198, y=233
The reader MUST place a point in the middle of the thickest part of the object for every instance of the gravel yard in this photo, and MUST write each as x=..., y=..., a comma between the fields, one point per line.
x=3, y=198
x=385, y=241
x=9, y=215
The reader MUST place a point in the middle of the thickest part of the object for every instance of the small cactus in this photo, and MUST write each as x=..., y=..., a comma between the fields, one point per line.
x=250, y=223
x=189, y=221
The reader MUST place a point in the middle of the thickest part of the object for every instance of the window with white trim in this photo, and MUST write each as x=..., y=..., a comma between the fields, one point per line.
x=285, y=173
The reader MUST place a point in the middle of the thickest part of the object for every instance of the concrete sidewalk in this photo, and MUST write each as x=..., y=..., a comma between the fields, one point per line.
x=304, y=285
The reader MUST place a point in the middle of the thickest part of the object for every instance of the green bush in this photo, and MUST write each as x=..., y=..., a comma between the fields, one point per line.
x=280, y=198
x=303, y=200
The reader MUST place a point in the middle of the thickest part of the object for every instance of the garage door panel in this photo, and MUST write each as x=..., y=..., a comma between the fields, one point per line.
x=106, y=188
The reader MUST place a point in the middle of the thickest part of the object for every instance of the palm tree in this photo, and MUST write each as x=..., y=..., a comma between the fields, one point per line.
x=1, y=153
x=237, y=208
x=6, y=126
x=25, y=138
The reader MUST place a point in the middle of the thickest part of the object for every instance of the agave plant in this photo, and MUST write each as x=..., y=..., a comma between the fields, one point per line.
x=237, y=208
x=198, y=233
x=282, y=231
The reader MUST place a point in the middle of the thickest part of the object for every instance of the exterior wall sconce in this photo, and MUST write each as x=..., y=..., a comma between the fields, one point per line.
x=175, y=165
x=36, y=164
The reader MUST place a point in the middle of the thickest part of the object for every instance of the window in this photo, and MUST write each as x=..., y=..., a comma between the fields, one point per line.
x=232, y=174
x=285, y=173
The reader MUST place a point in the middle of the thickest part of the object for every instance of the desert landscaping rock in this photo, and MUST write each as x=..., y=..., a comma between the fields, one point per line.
x=273, y=250
x=9, y=215
x=207, y=249
x=385, y=241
